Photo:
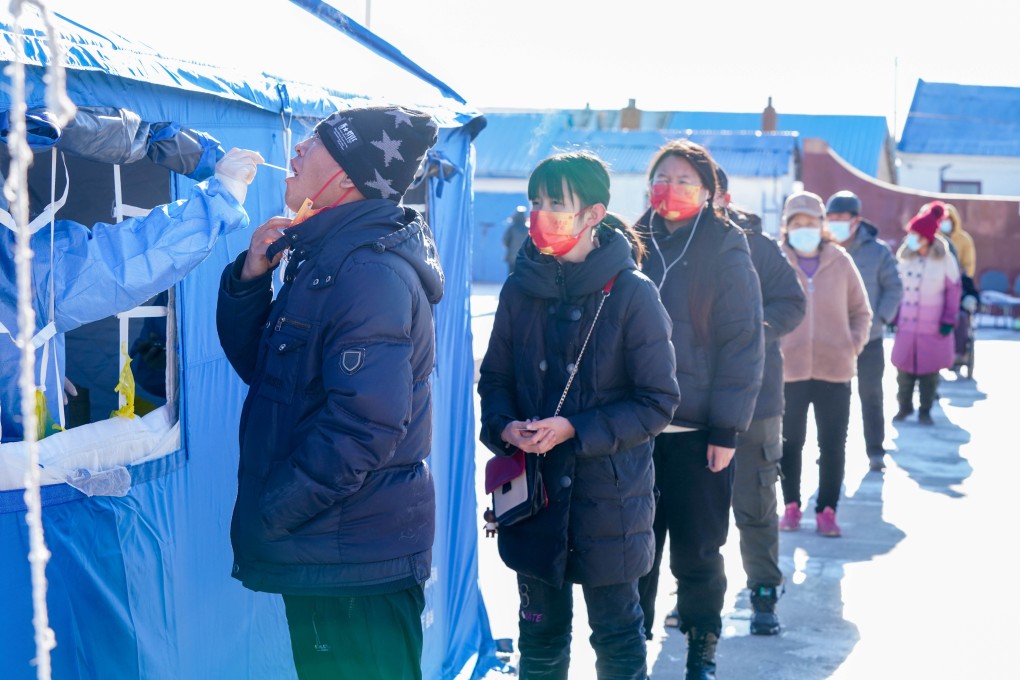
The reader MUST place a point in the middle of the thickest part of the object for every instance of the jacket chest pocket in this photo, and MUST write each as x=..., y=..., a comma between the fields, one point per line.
x=286, y=350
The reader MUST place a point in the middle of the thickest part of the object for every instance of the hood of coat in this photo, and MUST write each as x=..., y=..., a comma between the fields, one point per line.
x=540, y=275
x=938, y=250
x=954, y=217
x=866, y=231
x=749, y=222
x=381, y=225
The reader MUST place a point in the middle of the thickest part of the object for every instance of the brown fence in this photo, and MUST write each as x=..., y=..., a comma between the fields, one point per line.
x=993, y=221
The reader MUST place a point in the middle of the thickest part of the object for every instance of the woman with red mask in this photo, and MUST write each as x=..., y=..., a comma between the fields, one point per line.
x=701, y=264
x=579, y=371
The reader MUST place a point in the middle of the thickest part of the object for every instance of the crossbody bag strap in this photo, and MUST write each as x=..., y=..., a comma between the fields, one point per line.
x=577, y=364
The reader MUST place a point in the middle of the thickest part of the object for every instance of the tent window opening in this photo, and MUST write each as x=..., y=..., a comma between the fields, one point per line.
x=109, y=421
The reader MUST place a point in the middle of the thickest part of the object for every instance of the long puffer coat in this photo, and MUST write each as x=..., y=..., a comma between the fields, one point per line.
x=931, y=297
x=597, y=528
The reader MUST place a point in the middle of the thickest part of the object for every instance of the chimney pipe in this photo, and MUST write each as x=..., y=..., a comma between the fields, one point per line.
x=768, y=118
x=630, y=117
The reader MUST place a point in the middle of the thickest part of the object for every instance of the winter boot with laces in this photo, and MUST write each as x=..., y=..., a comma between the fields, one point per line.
x=764, y=620
x=701, y=654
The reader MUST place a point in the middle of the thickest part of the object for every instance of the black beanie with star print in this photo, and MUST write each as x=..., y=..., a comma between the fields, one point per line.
x=380, y=148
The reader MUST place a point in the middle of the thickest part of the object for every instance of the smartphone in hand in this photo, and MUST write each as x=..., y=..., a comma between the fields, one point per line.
x=526, y=431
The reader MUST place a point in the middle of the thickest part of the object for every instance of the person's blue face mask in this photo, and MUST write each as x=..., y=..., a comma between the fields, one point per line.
x=912, y=242
x=840, y=230
x=804, y=239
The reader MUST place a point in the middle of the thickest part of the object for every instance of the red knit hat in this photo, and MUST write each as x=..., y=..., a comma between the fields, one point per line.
x=926, y=222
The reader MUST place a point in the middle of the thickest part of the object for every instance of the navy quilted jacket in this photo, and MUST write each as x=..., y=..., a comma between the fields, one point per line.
x=334, y=495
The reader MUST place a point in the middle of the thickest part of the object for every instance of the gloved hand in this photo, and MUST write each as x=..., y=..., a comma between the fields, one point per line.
x=236, y=170
x=891, y=327
x=69, y=390
x=946, y=329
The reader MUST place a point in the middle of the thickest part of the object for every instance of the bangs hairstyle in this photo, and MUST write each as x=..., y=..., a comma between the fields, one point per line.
x=693, y=153
x=585, y=174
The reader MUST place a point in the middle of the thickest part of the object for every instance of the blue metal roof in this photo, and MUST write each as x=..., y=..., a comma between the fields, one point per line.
x=630, y=151
x=972, y=120
x=514, y=143
x=860, y=140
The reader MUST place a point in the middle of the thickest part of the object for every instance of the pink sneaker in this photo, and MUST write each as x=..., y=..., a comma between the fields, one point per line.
x=825, y=523
x=791, y=518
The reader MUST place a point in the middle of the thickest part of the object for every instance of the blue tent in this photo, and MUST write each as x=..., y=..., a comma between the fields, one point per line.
x=139, y=585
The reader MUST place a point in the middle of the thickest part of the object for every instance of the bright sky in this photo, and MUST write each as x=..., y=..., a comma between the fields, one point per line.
x=810, y=56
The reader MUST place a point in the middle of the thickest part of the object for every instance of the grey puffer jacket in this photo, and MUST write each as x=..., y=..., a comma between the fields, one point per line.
x=877, y=265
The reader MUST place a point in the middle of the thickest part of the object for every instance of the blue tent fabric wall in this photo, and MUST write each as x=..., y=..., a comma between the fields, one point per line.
x=453, y=442
x=139, y=586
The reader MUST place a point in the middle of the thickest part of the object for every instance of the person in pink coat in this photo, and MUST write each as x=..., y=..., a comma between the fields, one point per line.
x=819, y=358
x=924, y=342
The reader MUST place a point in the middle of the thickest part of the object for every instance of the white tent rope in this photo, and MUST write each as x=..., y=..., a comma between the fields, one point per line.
x=15, y=190
x=53, y=292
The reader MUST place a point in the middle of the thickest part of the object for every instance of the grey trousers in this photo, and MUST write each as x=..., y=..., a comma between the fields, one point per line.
x=759, y=451
x=870, y=368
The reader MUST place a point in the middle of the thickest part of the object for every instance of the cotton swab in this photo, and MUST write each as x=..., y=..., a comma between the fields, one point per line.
x=275, y=167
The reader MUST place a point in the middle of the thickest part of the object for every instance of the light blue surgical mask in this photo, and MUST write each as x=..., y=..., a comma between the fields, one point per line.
x=805, y=239
x=912, y=242
x=946, y=226
x=840, y=230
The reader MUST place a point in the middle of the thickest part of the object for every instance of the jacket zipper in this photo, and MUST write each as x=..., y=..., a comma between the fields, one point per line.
x=811, y=312
x=282, y=321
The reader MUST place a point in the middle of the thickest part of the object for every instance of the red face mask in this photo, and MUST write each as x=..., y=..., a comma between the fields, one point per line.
x=676, y=201
x=553, y=232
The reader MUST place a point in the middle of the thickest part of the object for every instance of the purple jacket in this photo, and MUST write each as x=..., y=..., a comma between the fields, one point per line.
x=931, y=297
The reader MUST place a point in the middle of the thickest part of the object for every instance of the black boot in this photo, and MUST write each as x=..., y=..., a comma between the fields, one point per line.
x=924, y=417
x=905, y=410
x=764, y=620
x=701, y=654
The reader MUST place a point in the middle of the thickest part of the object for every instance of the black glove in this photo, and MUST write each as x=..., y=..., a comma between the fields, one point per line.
x=946, y=328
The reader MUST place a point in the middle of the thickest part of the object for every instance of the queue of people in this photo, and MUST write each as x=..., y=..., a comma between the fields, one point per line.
x=762, y=333
x=660, y=373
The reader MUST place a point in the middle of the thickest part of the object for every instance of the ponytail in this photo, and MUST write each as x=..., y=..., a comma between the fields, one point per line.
x=614, y=222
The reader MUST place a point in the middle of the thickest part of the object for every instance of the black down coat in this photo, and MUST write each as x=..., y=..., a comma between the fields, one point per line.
x=597, y=528
x=334, y=496
x=719, y=369
x=783, y=308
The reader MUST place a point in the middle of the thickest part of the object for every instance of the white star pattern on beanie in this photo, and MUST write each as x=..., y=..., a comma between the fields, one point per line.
x=382, y=185
x=389, y=147
x=400, y=116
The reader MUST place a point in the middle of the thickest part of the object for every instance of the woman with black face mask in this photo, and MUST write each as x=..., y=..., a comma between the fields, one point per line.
x=702, y=267
x=579, y=372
